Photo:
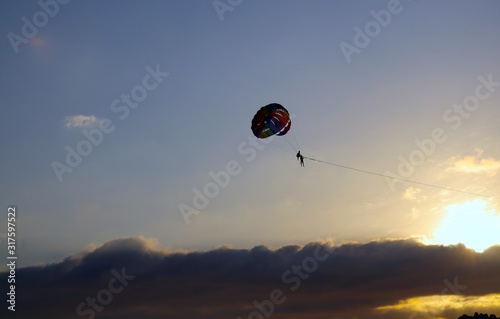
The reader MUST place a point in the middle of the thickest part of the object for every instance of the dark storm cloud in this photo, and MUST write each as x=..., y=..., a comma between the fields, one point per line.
x=133, y=279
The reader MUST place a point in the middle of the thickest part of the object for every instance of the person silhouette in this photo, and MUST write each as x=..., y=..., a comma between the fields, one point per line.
x=298, y=155
x=301, y=160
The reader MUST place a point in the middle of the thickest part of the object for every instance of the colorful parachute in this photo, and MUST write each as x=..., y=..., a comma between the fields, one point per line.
x=270, y=120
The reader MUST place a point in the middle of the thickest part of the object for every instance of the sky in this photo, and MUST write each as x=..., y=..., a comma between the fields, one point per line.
x=126, y=144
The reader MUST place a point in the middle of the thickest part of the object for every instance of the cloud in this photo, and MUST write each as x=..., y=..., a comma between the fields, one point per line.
x=474, y=164
x=79, y=121
x=353, y=281
x=433, y=306
x=413, y=194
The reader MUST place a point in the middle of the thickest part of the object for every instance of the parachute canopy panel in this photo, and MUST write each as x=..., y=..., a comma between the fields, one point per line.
x=272, y=119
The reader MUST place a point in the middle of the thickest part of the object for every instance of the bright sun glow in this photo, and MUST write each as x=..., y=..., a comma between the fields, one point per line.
x=469, y=223
x=435, y=305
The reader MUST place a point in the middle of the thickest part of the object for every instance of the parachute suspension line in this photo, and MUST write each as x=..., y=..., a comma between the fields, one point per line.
x=290, y=139
x=295, y=140
x=279, y=144
x=401, y=179
x=290, y=143
x=284, y=149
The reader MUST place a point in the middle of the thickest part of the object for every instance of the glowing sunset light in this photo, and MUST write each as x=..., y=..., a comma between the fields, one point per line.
x=470, y=223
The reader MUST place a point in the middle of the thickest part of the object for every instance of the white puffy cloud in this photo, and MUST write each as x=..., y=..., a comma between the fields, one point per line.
x=79, y=121
x=474, y=164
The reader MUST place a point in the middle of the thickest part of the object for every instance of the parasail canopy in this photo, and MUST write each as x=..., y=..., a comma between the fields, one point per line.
x=272, y=119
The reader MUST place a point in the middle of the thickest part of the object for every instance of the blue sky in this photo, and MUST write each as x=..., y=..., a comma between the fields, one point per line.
x=152, y=99
x=364, y=114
